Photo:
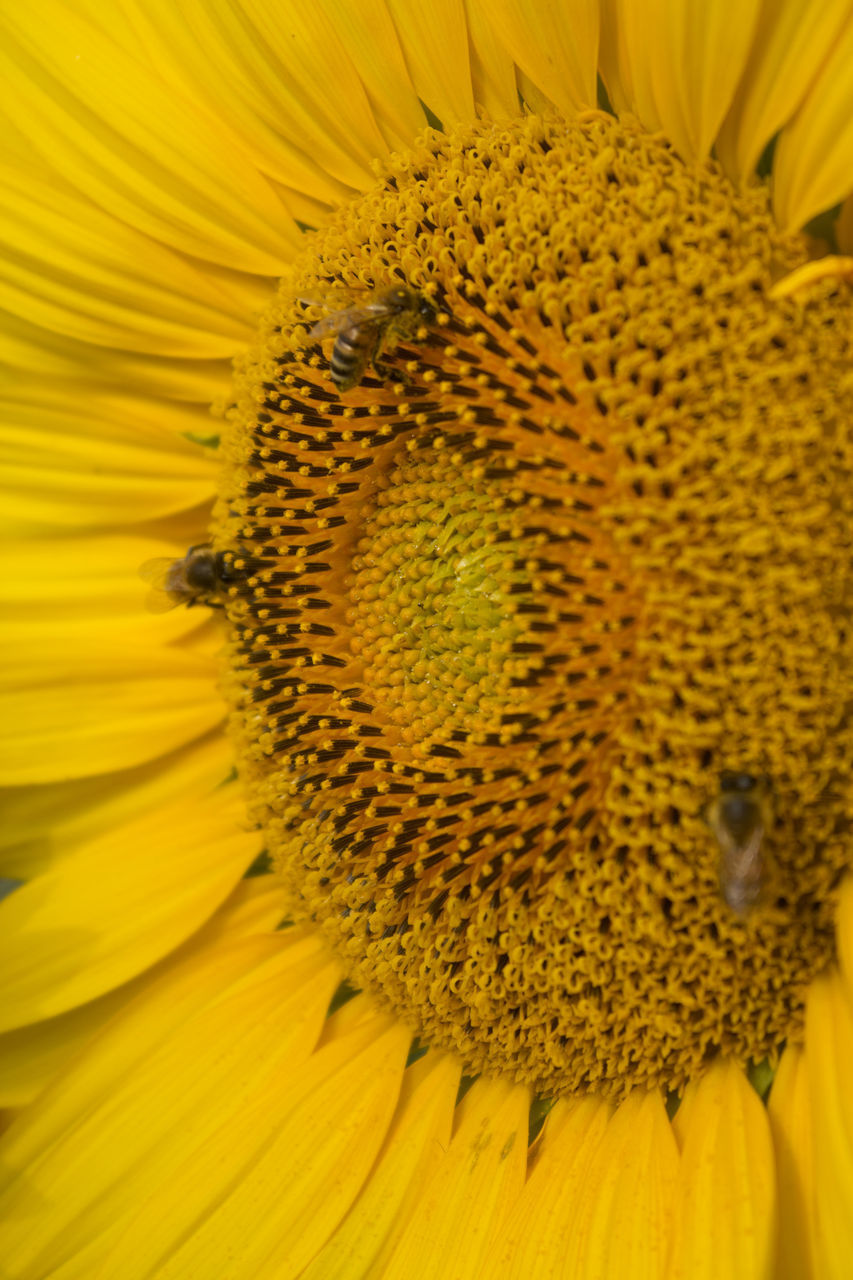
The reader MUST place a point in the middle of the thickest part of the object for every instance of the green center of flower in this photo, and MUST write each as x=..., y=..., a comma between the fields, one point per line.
x=539, y=552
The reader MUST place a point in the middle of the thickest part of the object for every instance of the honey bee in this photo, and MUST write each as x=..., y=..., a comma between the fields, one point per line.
x=739, y=815
x=369, y=323
x=199, y=577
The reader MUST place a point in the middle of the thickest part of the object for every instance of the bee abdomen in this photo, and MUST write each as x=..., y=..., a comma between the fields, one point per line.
x=349, y=358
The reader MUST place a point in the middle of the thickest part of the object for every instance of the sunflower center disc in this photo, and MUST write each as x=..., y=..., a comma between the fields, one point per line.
x=519, y=597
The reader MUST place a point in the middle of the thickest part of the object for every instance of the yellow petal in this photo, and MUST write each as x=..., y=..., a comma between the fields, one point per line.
x=83, y=707
x=727, y=1219
x=138, y=149
x=282, y=1170
x=812, y=168
x=88, y=925
x=844, y=933
x=626, y=58
x=829, y=1052
x=366, y=31
x=791, y=43
x=683, y=78
x=42, y=823
x=492, y=66
x=417, y=1137
x=85, y=463
x=295, y=100
x=32, y=1056
x=475, y=1184
x=625, y=1211
x=614, y=62
x=191, y=1083
x=39, y=353
x=73, y=582
x=532, y=1241
x=75, y=269
x=434, y=40
x=790, y=1124
x=844, y=226
x=556, y=46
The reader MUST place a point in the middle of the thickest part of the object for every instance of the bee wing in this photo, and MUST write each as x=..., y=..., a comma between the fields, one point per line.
x=157, y=571
x=332, y=323
x=158, y=601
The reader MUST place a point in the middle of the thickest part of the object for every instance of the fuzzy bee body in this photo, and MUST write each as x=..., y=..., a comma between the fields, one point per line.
x=369, y=324
x=199, y=577
x=740, y=815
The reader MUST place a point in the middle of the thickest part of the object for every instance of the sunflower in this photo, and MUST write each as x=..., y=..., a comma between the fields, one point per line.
x=466, y=894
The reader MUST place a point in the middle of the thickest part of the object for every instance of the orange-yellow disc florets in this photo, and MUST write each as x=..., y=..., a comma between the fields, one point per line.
x=516, y=601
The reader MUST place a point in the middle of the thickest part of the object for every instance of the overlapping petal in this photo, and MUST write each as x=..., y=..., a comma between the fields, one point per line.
x=829, y=1051
x=150, y=157
x=70, y=267
x=70, y=461
x=88, y=707
x=726, y=1220
x=556, y=47
x=683, y=78
x=268, y=1176
x=811, y=165
x=472, y=1187
x=532, y=1240
x=417, y=1139
x=115, y=902
x=790, y=1124
x=32, y=1056
x=190, y=1082
x=791, y=43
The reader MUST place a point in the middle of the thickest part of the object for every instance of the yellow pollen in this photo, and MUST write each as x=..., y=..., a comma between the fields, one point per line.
x=551, y=605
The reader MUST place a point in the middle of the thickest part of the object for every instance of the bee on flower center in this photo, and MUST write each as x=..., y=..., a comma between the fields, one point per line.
x=739, y=816
x=366, y=323
x=202, y=576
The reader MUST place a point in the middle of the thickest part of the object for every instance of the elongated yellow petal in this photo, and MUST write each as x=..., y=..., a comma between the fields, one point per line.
x=626, y=1204
x=73, y=268
x=811, y=165
x=792, y=40
x=434, y=39
x=32, y=1056
x=87, y=464
x=85, y=707
x=365, y=29
x=790, y=1123
x=192, y=1081
x=844, y=226
x=281, y=1172
x=417, y=1138
x=474, y=1186
x=492, y=65
x=844, y=933
x=139, y=150
x=829, y=1052
x=727, y=1219
x=626, y=59
x=613, y=60
x=76, y=582
x=87, y=925
x=682, y=77
x=296, y=103
x=532, y=1241
x=34, y=352
x=556, y=46
x=42, y=823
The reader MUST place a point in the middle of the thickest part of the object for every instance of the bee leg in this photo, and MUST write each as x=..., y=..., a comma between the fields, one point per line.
x=385, y=372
